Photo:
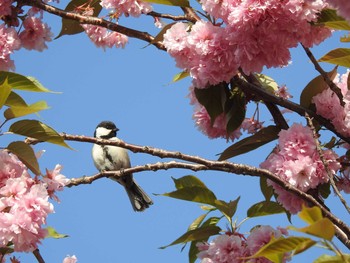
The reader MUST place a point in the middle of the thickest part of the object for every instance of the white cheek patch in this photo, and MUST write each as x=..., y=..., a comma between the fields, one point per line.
x=101, y=131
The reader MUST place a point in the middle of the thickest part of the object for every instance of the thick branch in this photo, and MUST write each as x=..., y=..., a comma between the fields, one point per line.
x=95, y=21
x=265, y=96
x=205, y=164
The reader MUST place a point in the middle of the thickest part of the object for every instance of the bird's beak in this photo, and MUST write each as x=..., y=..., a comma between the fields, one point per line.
x=116, y=129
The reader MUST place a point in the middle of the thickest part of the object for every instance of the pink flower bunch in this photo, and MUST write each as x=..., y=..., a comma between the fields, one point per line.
x=342, y=6
x=35, y=34
x=328, y=105
x=218, y=128
x=9, y=42
x=204, y=51
x=127, y=7
x=24, y=204
x=70, y=259
x=257, y=34
x=235, y=247
x=296, y=161
x=101, y=37
x=5, y=7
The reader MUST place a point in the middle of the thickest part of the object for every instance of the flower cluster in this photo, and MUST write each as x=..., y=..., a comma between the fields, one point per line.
x=24, y=203
x=102, y=37
x=32, y=35
x=257, y=34
x=235, y=247
x=296, y=161
x=328, y=105
x=342, y=6
x=70, y=259
x=217, y=129
x=127, y=7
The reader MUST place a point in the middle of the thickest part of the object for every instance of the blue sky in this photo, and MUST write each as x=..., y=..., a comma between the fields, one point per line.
x=133, y=88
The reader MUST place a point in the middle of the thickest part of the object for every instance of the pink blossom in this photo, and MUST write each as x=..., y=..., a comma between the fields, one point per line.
x=9, y=42
x=70, y=259
x=101, y=37
x=328, y=105
x=261, y=32
x=297, y=140
x=296, y=161
x=55, y=181
x=260, y=236
x=35, y=34
x=5, y=7
x=205, y=52
x=342, y=6
x=283, y=92
x=24, y=204
x=11, y=167
x=223, y=249
x=251, y=125
x=127, y=7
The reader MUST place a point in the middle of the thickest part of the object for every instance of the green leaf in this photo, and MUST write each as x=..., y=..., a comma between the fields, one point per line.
x=266, y=189
x=310, y=214
x=51, y=232
x=268, y=83
x=330, y=18
x=344, y=258
x=38, y=130
x=182, y=3
x=198, y=234
x=338, y=56
x=193, y=251
x=265, y=208
x=26, y=154
x=213, y=99
x=19, y=111
x=5, y=91
x=180, y=76
x=324, y=190
x=17, y=81
x=194, y=194
x=314, y=87
x=72, y=27
x=265, y=135
x=188, y=181
x=15, y=100
x=196, y=223
x=228, y=209
x=322, y=228
x=276, y=248
x=235, y=110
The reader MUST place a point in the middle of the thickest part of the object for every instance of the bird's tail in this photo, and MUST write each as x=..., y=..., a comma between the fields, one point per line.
x=138, y=197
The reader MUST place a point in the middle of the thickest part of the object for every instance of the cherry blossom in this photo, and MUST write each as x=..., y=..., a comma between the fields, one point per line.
x=127, y=7
x=342, y=6
x=101, y=37
x=296, y=161
x=35, y=34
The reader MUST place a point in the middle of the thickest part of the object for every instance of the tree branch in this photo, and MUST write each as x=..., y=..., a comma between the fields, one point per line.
x=95, y=21
x=325, y=76
x=204, y=164
x=38, y=256
x=265, y=96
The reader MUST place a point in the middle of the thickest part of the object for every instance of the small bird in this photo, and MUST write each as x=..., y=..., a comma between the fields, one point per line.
x=113, y=158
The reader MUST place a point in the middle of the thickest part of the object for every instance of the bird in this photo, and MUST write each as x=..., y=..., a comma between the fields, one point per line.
x=113, y=158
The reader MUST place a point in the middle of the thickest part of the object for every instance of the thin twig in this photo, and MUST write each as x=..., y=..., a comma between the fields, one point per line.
x=325, y=164
x=167, y=16
x=325, y=76
x=38, y=256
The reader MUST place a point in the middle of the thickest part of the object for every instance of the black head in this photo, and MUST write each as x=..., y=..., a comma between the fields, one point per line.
x=106, y=130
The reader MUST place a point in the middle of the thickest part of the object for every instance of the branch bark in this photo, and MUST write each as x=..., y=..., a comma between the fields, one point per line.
x=197, y=164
